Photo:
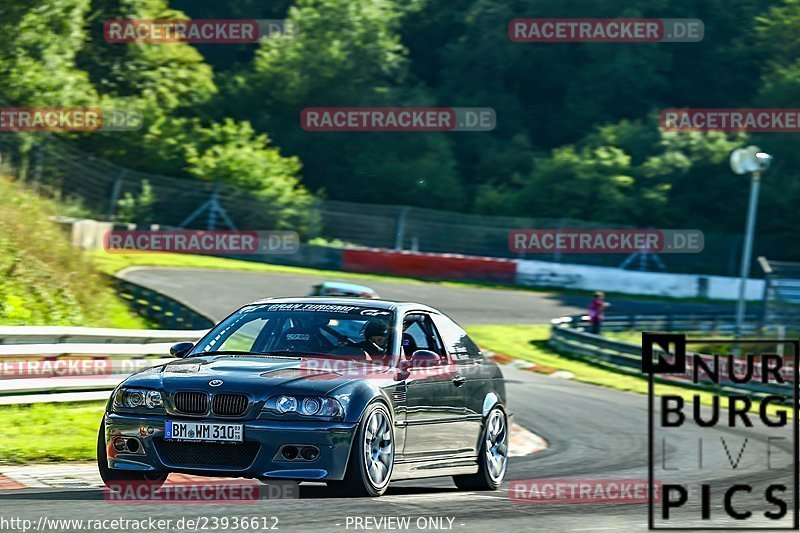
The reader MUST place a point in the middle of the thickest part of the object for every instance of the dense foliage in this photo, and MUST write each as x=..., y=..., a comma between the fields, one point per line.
x=43, y=278
x=577, y=133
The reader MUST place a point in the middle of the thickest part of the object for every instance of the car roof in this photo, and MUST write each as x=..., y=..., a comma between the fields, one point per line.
x=359, y=302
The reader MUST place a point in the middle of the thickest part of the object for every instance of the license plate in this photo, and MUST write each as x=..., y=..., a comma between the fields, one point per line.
x=203, y=431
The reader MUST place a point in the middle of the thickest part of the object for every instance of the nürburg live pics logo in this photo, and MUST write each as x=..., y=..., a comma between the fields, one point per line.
x=723, y=443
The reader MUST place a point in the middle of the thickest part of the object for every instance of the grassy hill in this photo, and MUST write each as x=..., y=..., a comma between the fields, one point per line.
x=43, y=279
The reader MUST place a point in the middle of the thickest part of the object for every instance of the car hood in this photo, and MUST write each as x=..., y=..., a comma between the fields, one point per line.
x=258, y=375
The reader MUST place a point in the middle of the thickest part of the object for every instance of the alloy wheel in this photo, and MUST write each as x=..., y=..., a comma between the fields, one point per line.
x=378, y=448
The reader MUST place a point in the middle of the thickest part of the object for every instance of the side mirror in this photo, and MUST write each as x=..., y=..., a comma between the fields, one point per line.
x=181, y=349
x=424, y=358
x=419, y=359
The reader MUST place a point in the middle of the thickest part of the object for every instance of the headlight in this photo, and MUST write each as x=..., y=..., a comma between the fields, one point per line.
x=133, y=398
x=306, y=406
x=311, y=406
x=287, y=404
x=153, y=399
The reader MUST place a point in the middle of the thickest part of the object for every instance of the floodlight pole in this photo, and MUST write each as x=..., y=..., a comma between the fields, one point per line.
x=755, y=183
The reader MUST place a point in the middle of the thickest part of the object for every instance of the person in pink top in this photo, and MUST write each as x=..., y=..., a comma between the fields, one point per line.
x=597, y=309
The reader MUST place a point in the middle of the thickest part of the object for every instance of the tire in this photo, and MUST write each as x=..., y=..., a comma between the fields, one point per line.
x=493, y=456
x=369, y=468
x=114, y=479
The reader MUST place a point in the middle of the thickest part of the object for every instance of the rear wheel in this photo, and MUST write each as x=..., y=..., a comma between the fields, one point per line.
x=371, y=455
x=493, y=457
x=115, y=479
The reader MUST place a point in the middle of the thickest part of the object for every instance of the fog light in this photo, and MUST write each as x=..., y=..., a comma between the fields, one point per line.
x=119, y=444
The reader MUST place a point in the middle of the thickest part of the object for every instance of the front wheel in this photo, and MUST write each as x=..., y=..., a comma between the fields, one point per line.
x=115, y=479
x=493, y=457
x=371, y=456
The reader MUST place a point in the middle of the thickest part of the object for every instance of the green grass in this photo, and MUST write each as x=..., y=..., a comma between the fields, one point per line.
x=113, y=263
x=49, y=432
x=44, y=280
x=529, y=343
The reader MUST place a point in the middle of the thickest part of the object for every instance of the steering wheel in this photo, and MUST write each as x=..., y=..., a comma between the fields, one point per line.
x=344, y=340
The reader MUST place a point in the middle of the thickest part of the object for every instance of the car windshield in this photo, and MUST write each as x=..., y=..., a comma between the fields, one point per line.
x=303, y=329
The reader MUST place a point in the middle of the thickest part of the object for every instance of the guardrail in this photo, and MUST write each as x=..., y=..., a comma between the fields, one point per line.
x=160, y=308
x=570, y=335
x=718, y=322
x=15, y=335
x=44, y=364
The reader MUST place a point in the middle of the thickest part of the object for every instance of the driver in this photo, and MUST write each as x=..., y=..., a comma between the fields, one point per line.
x=376, y=335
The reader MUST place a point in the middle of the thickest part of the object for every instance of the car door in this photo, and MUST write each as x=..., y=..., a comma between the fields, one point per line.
x=435, y=406
x=474, y=378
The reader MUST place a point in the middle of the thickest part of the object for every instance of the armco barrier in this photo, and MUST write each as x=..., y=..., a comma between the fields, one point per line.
x=570, y=335
x=77, y=360
x=15, y=335
x=425, y=265
x=160, y=308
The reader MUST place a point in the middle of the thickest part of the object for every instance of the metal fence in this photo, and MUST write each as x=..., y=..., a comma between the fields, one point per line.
x=57, y=168
x=570, y=335
x=782, y=296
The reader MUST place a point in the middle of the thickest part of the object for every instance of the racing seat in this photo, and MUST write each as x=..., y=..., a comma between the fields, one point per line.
x=409, y=346
x=299, y=339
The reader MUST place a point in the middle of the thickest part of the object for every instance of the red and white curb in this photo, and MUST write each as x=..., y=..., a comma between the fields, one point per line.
x=528, y=365
x=524, y=442
x=85, y=475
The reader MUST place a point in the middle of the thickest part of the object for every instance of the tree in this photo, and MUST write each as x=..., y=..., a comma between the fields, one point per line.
x=347, y=54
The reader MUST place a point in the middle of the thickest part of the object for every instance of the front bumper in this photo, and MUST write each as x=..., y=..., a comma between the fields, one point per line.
x=256, y=457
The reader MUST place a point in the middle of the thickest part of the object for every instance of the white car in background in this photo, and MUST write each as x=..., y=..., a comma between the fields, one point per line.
x=337, y=288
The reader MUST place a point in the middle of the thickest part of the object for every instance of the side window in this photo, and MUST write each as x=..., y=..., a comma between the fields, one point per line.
x=418, y=337
x=456, y=341
x=419, y=334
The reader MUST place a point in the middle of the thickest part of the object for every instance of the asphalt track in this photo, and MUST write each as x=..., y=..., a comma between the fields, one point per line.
x=219, y=292
x=593, y=433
